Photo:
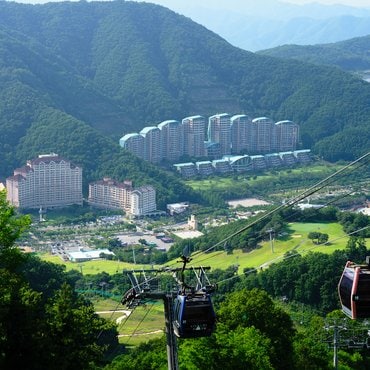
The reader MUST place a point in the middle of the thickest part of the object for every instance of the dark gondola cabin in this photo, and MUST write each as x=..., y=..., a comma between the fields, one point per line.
x=354, y=290
x=194, y=316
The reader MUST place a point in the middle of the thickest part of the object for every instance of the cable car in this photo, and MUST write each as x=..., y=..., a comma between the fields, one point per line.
x=194, y=316
x=354, y=290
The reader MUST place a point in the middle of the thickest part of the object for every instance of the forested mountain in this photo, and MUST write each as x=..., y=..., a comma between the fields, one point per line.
x=76, y=76
x=349, y=55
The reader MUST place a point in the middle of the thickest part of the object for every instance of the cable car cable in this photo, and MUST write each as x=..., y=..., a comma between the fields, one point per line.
x=290, y=203
x=141, y=321
x=283, y=258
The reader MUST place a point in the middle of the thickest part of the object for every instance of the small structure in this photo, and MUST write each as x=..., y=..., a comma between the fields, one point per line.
x=82, y=256
x=193, y=223
x=177, y=208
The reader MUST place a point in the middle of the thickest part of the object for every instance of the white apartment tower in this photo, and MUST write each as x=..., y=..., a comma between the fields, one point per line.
x=134, y=143
x=172, y=134
x=143, y=201
x=152, y=144
x=240, y=133
x=47, y=181
x=261, y=135
x=194, y=135
x=286, y=135
x=109, y=193
x=219, y=131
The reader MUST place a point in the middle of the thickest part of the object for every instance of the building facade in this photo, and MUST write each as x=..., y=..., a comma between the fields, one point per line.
x=143, y=201
x=219, y=131
x=224, y=135
x=109, y=193
x=194, y=135
x=152, y=144
x=172, y=136
x=47, y=181
x=241, y=126
x=286, y=135
x=134, y=143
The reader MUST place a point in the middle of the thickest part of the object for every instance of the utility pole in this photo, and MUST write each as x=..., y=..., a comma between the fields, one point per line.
x=336, y=343
x=270, y=231
x=133, y=254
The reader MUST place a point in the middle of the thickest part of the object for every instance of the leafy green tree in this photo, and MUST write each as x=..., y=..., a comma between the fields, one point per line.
x=11, y=225
x=42, y=320
x=255, y=308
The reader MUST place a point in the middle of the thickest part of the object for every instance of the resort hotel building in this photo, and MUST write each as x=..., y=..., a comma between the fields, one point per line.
x=46, y=181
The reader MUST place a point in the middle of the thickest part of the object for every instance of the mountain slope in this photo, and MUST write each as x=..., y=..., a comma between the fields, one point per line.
x=115, y=67
x=349, y=55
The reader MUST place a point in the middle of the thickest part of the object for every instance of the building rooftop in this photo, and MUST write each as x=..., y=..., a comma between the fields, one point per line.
x=148, y=129
x=168, y=122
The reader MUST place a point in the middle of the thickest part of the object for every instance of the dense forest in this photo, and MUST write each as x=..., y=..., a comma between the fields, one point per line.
x=349, y=55
x=75, y=77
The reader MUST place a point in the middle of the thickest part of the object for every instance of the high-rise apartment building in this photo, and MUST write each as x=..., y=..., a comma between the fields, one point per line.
x=261, y=135
x=241, y=126
x=143, y=201
x=194, y=135
x=152, y=144
x=172, y=133
x=109, y=193
x=134, y=143
x=286, y=135
x=225, y=135
x=219, y=131
x=47, y=181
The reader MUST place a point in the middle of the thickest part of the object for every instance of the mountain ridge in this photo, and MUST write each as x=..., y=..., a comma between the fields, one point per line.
x=117, y=67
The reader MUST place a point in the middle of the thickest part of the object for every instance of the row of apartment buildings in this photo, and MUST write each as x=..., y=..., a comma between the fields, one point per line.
x=223, y=134
x=52, y=181
x=243, y=163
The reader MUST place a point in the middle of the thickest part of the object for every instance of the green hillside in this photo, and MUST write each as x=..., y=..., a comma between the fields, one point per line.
x=75, y=77
x=349, y=55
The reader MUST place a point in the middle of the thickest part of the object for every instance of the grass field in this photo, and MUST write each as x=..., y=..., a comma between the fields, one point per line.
x=296, y=239
x=144, y=323
x=94, y=267
x=231, y=183
x=147, y=322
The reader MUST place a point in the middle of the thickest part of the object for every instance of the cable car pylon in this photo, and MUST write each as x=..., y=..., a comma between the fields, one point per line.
x=188, y=311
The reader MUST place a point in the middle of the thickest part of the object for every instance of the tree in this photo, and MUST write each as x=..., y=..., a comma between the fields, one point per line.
x=255, y=308
x=11, y=225
x=43, y=323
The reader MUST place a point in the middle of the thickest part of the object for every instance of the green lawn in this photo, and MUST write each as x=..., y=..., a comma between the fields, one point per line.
x=232, y=183
x=296, y=239
x=94, y=267
x=147, y=322
x=143, y=323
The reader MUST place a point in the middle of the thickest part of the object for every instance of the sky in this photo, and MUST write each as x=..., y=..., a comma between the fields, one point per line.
x=354, y=3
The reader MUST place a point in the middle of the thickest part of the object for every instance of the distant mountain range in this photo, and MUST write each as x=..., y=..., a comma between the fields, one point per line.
x=350, y=55
x=76, y=76
x=263, y=24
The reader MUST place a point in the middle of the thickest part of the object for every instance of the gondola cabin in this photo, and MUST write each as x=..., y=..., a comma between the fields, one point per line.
x=194, y=316
x=354, y=290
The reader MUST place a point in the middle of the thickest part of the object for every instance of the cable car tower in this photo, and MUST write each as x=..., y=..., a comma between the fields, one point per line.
x=188, y=310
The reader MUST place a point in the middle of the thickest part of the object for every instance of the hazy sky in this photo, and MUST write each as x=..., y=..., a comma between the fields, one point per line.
x=360, y=3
